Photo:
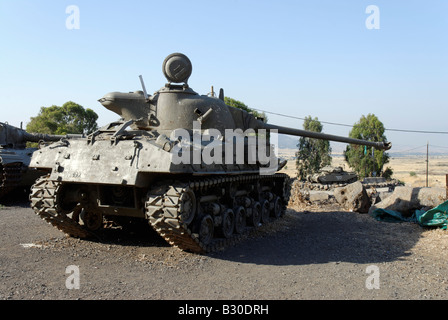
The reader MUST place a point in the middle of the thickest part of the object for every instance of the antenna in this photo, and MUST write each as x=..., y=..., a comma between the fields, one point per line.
x=143, y=86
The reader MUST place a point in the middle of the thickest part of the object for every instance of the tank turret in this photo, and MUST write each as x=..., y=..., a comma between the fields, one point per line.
x=15, y=157
x=17, y=138
x=202, y=173
x=178, y=106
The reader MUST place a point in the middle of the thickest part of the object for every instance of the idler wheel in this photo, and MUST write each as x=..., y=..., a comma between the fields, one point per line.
x=240, y=220
x=206, y=229
x=228, y=223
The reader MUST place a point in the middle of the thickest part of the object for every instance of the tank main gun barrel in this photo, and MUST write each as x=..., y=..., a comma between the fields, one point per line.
x=324, y=136
x=36, y=137
x=10, y=135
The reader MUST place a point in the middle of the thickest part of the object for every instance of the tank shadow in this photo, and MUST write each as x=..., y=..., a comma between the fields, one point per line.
x=18, y=197
x=136, y=232
x=302, y=238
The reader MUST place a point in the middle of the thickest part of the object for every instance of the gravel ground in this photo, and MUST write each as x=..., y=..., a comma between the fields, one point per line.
x=311, y=253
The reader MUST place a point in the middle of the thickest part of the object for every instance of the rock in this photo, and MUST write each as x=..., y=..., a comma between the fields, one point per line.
x=353, y=197
x=383, y=195
x=407, y=199
x=319, y=196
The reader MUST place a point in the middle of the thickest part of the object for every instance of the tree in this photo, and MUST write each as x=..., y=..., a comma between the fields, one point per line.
x=313, y=154
x=71, y=118
x=240, y=105
x=360, y=157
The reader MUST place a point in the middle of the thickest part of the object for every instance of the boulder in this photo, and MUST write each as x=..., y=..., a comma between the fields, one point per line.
x=319, y=196
x=353, y=197
x=407, y=199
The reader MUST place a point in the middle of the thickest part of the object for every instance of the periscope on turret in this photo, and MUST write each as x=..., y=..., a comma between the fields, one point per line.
x=201, y=173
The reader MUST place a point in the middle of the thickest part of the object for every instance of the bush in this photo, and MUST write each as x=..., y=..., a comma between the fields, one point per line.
x=387, y=173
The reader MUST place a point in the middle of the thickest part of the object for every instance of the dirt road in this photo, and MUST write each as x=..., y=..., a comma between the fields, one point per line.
x=314, y=254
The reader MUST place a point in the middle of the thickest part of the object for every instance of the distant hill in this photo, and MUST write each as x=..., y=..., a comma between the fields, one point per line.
x=287, y=142
x=290, y=142
x=337, y=148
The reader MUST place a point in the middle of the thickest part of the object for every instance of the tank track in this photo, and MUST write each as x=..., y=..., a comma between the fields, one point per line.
x=44, y=201
x=165, y=209
x=10, y=177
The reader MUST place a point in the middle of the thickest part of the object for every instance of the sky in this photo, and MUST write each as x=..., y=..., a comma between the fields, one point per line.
x=334, y=60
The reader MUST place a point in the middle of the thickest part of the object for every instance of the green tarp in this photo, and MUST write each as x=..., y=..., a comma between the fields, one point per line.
x=435, y=217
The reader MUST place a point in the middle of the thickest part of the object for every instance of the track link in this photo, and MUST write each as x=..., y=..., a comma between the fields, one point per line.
x=164, y=210
x=44, y=201
x=10, y=177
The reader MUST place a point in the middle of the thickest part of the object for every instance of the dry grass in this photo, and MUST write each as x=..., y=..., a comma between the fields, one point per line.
x=404, y=167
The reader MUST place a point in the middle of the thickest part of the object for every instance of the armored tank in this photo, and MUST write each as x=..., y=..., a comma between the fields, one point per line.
x=15, y=157
x=333, y=175
x=200, y=172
